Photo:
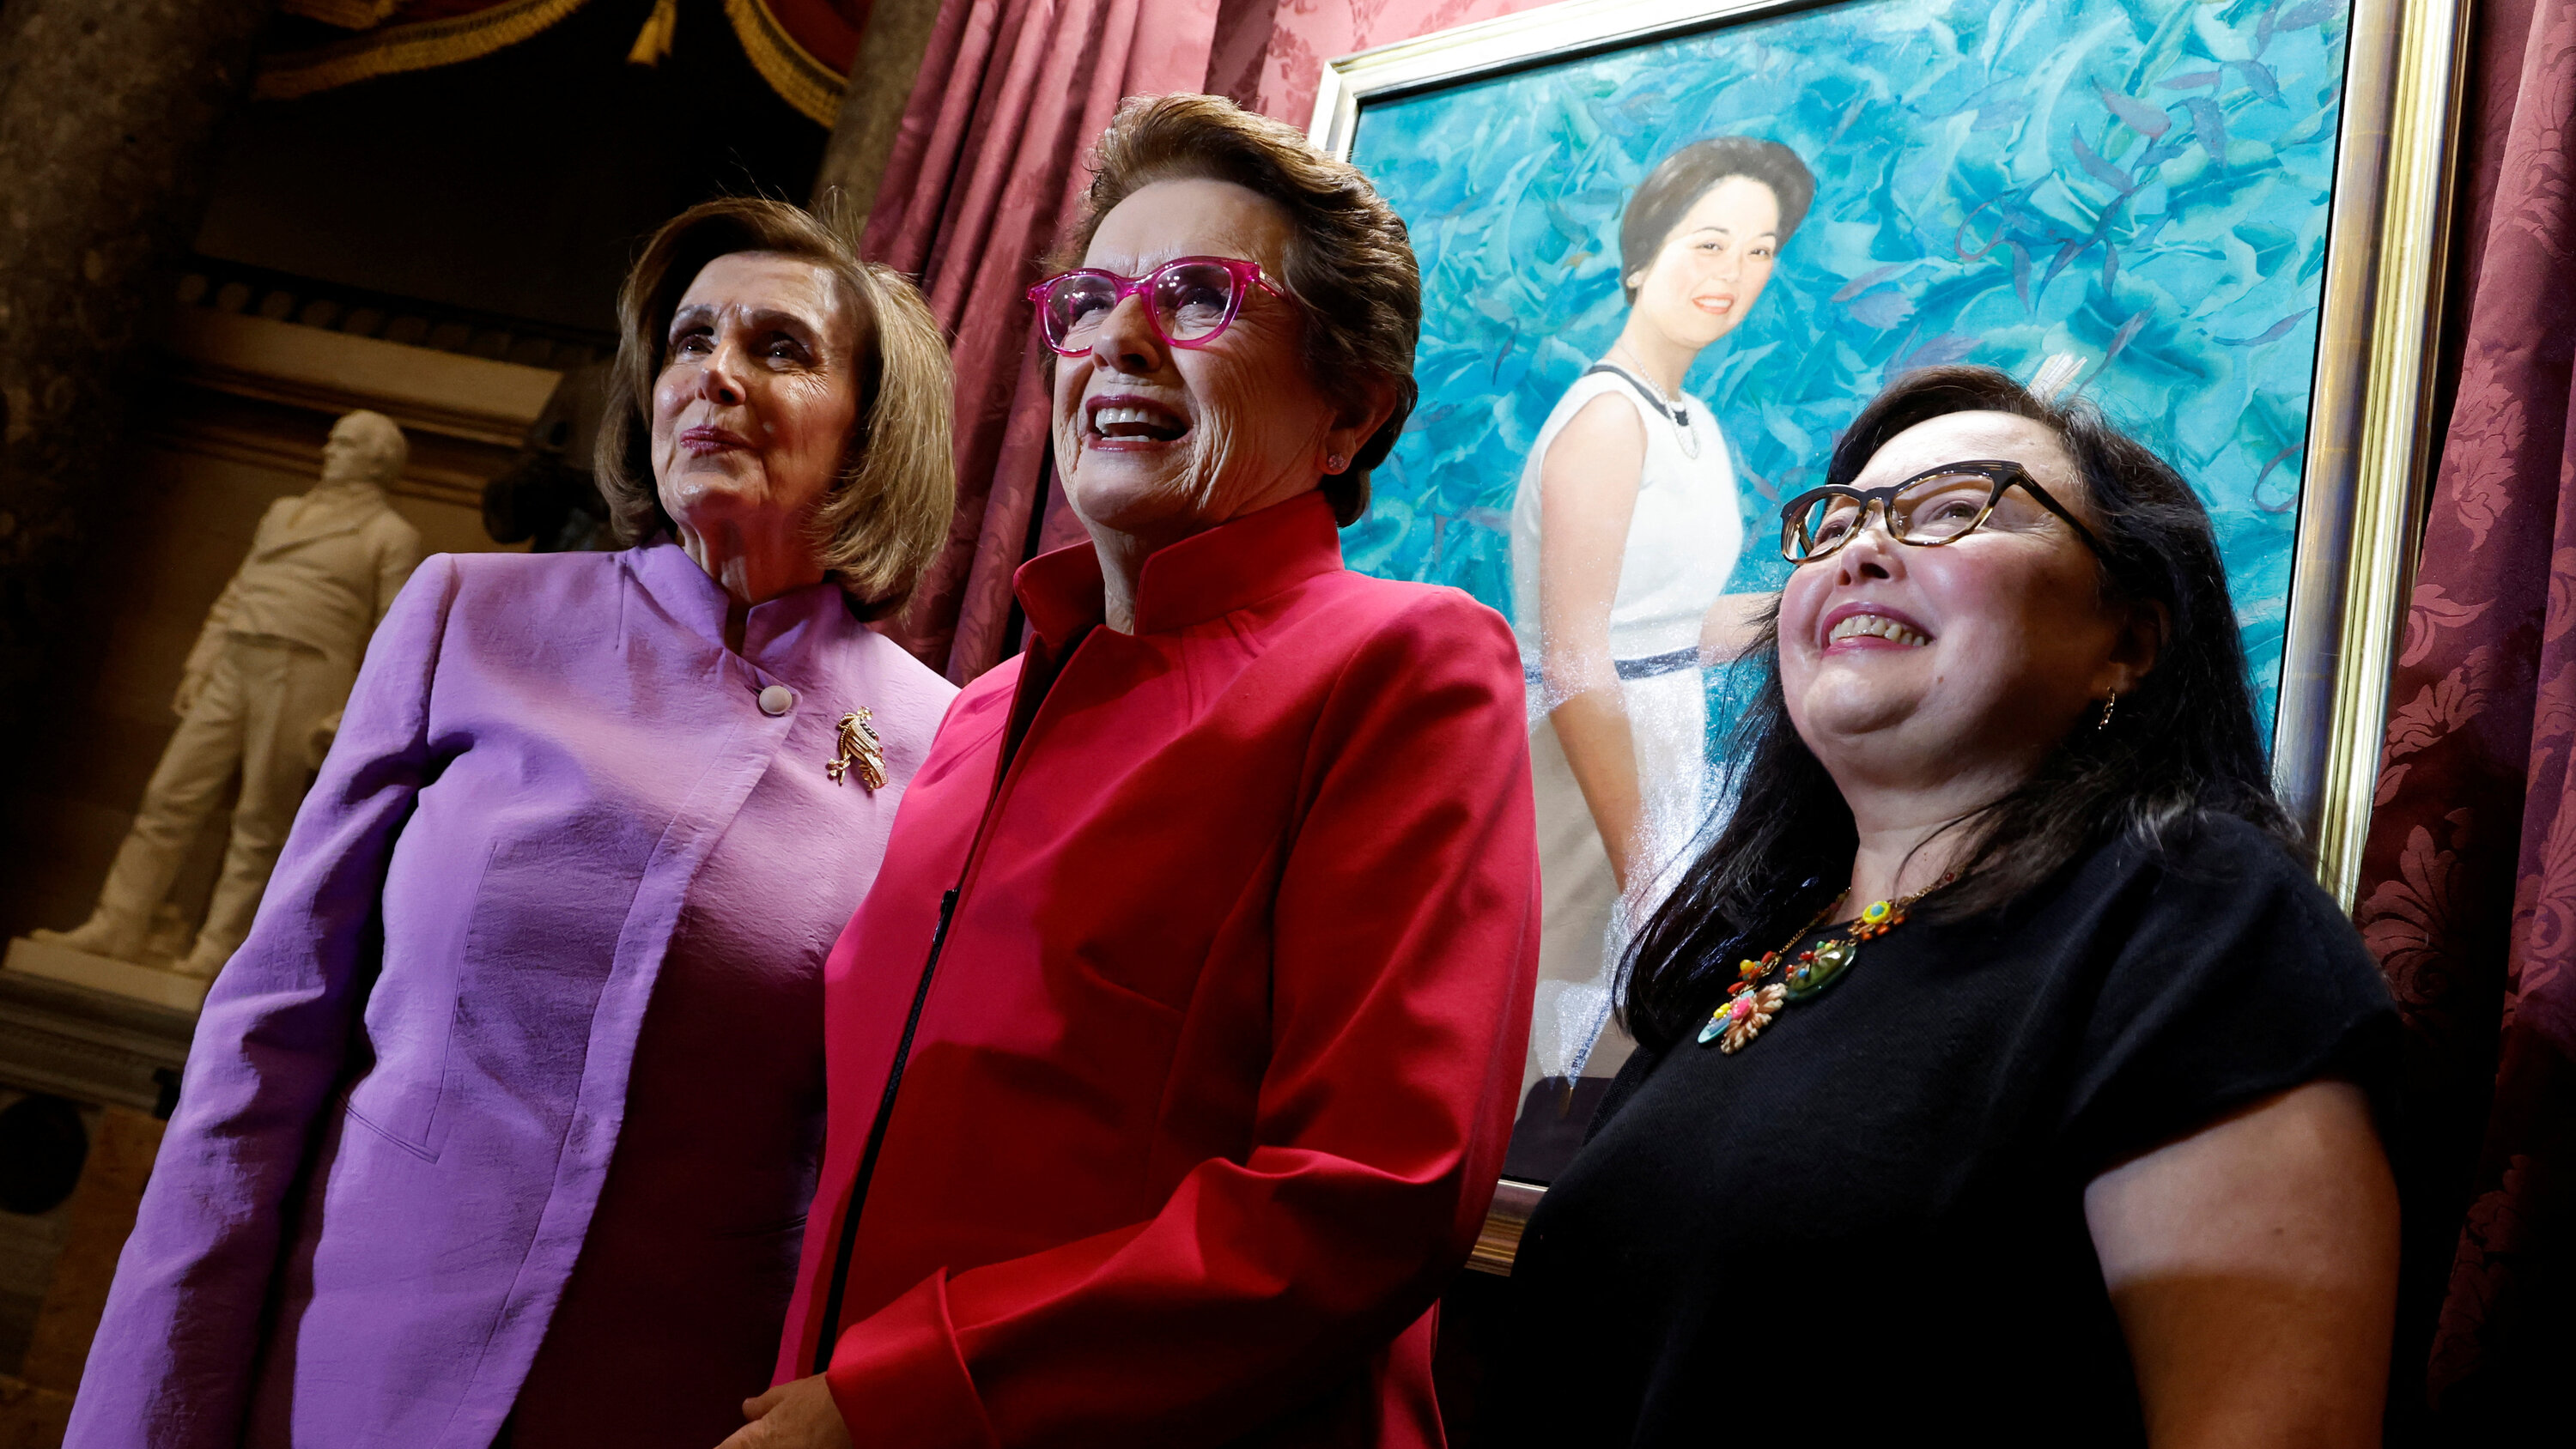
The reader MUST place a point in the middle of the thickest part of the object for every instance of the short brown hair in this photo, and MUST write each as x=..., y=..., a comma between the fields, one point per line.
x=1348, y=261
x=886, y=518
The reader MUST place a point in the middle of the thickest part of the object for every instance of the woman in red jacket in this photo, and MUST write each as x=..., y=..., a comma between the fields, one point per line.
x=1172, y=1055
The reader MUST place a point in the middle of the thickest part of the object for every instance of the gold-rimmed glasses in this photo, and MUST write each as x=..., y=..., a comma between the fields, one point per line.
x=1936, y=506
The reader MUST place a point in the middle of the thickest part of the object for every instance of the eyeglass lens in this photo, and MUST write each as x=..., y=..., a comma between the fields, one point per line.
x=1930, y=510
x=1190, y=302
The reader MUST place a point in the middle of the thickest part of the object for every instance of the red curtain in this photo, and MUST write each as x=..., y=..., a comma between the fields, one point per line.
x=828, y=30
x=985, y=173
x=2469, y=886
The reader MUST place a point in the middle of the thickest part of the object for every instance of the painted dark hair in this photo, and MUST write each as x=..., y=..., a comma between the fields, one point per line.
x=1681, y=179
x=2181, y=748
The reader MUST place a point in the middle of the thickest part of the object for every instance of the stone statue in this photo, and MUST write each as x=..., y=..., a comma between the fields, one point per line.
x=262, y=692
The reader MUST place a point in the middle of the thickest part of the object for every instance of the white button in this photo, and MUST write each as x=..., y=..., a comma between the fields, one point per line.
x=777, y=699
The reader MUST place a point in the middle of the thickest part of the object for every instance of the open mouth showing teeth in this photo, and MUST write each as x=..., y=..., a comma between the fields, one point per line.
x=1138, y=423
x=1877, y=627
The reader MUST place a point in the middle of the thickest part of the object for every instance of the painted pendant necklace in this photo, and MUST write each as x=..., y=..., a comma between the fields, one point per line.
x=1678, y=412
x=1750, y=1005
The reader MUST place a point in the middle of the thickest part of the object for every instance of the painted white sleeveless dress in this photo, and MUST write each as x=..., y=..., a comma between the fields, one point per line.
x=1683, y=541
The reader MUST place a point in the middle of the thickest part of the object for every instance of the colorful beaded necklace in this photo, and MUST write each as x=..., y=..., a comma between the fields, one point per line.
x=1749, y=1006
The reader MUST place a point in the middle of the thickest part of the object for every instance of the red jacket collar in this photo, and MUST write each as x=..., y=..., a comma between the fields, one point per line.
x=1237, y=563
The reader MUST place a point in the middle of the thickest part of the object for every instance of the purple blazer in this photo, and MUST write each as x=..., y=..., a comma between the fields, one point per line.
x=406, y=1086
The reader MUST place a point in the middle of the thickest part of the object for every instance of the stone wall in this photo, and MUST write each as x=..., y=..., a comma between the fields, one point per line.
x=108, y=116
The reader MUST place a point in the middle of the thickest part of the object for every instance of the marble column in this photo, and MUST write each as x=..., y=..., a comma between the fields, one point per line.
x=881, y=81
x=108, y=115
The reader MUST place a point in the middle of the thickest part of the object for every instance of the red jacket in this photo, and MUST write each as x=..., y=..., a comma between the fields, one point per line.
x=1211, y=1068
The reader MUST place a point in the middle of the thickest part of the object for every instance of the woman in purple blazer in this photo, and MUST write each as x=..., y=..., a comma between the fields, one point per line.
x=500, y=1126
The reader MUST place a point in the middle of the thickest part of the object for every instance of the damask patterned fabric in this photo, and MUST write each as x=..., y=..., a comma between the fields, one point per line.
x=2469, y=887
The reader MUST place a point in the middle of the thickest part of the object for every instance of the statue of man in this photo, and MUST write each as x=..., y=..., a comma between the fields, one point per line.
x=267, y=679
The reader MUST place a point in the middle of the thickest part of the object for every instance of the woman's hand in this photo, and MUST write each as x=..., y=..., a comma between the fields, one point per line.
x=2254, y=1268
x=798, y=1415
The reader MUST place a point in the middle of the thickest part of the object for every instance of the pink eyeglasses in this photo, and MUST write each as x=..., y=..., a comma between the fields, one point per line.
x=1190, y=301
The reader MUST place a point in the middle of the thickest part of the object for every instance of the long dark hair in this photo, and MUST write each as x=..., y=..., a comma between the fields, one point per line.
x=2182, y=745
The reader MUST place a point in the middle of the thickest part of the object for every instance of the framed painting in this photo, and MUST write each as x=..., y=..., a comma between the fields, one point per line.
x=2221, y=220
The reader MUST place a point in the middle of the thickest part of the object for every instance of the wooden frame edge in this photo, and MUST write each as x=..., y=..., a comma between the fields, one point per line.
x=2393, y=440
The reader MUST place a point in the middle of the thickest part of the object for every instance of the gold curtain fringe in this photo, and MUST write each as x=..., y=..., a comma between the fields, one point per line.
x=405, y=47
x=800, y=80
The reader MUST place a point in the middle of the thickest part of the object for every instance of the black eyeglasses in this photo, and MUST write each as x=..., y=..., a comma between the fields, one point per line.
x=1940, y=505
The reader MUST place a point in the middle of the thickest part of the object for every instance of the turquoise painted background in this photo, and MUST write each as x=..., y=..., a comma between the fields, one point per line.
x=2141, y=182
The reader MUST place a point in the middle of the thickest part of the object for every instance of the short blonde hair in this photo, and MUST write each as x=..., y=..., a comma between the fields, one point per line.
x=1349, y=260
x=887, y=517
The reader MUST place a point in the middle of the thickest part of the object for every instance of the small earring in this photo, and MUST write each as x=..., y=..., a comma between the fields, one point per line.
x=2108, y=705
x=1336, y=463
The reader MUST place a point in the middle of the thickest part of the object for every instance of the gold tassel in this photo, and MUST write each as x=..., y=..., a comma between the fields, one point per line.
x=654, y=41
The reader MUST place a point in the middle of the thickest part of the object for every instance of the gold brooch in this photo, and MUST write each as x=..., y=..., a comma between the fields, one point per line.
x=859, y=746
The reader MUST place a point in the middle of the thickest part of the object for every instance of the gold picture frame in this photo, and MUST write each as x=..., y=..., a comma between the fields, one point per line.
x=2369, y=429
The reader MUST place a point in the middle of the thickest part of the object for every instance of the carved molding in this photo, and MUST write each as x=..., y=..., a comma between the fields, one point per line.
x=90, y=1046
x=472, y=398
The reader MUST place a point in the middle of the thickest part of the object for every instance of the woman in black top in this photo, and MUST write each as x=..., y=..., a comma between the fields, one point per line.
x=2002, y=1074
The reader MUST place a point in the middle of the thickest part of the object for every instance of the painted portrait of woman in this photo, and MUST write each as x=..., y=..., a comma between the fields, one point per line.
x=1624, y=531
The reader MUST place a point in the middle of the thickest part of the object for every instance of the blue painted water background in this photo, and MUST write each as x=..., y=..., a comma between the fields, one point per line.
x=2144, y=183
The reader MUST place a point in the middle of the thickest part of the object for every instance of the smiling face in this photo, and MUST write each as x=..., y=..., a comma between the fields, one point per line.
x=1158, y=442
x=758, y=392
x=1971, y=659
x=1713, y=264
